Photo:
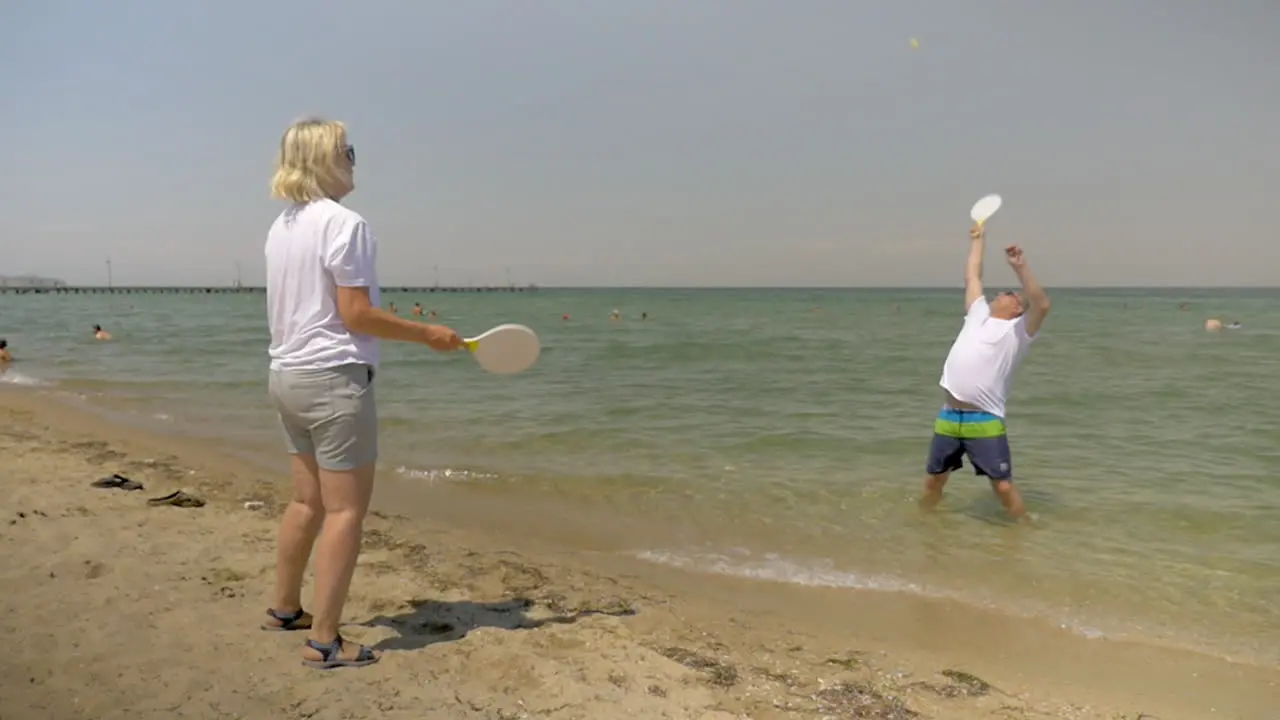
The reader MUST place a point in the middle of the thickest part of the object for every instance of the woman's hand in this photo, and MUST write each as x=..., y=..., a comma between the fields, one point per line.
x=441, y=338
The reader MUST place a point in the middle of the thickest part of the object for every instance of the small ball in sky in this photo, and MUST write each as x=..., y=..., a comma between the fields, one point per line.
x=915, y=44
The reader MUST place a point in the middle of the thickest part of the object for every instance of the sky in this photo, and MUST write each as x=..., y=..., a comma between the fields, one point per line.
x=656, y=143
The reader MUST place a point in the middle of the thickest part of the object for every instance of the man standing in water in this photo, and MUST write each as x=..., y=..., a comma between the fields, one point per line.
x=975, y=379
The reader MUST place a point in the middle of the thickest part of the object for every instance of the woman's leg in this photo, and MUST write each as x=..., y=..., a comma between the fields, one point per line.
x=345, y=496
x=298, y=530
x=346, y=453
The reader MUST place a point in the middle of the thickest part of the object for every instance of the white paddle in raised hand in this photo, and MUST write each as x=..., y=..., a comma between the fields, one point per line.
x=985, y=208
x=505, y=349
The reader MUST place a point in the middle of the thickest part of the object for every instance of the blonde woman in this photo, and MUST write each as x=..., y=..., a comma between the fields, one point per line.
x=324, y=311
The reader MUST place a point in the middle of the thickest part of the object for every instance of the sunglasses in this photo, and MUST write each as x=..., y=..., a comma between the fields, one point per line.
x=350, y=152
x=1014, y=295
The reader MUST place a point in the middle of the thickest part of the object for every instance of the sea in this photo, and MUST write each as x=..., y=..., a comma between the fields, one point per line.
x=781, y=434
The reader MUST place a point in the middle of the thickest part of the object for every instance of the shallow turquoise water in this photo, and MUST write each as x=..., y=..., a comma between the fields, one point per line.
x=782, y=434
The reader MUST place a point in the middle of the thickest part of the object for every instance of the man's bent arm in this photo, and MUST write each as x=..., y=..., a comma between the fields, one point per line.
x=973, y=269
x=1037, y=300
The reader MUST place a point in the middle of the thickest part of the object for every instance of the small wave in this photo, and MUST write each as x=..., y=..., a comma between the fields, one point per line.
x=776, y=568
x=444, y=474
x=779, y=569
x=16, y=378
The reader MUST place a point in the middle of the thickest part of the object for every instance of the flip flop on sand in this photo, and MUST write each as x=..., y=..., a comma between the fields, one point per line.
x=116, y=481
x=177, y=498
x=331, y=656
x=299, y=620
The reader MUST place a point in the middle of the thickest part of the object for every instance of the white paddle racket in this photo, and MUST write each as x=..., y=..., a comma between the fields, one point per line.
x=985, y=208
x=505, y=349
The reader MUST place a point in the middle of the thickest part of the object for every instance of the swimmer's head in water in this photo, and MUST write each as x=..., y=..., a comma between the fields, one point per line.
x=97, y=328
x=1008, y=305
x=3, y=343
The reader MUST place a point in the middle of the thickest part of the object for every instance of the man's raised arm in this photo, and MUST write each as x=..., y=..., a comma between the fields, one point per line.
x=973, y=266
x=1037, y=298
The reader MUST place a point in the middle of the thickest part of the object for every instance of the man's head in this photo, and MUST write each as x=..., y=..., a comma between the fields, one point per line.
x=1008, y=305
x=97, y=328
x=3, y=343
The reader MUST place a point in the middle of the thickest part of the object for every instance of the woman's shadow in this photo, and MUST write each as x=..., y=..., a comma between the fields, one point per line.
x=434, y=621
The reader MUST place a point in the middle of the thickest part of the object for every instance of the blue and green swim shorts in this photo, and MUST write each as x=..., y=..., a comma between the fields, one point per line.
x=975, y=433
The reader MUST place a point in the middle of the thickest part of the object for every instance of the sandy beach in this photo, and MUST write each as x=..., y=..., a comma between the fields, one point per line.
x=114, y=608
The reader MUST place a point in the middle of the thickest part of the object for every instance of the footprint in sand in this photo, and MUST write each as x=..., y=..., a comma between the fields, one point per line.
x=94, y=569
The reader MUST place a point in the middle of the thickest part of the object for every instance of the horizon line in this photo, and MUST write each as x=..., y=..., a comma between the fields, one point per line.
x=536, y=287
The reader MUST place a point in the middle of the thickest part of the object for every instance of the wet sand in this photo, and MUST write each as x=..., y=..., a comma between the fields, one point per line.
x=116, y=609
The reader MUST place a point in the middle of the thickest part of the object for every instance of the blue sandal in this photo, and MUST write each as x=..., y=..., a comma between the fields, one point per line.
x=330, y=656
x=297, y=620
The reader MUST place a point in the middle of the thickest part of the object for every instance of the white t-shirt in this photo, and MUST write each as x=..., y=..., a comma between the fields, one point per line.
x=983, y=358
x=312, y=249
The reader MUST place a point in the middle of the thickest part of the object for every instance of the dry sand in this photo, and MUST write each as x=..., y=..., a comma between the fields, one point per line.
x=114, y=609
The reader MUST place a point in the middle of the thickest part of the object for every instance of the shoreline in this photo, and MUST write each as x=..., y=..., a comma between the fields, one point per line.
x=599, y=522
x=120, y=609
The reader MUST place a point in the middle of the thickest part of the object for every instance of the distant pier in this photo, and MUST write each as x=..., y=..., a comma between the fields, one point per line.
x=241, y=290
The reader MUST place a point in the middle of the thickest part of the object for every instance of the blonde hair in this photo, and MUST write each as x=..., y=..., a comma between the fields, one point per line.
x=308, y=167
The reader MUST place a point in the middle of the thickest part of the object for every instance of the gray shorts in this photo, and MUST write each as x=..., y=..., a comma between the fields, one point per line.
x=329, y=413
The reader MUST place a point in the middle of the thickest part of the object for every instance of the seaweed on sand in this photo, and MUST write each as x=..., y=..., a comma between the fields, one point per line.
x=719, y=674
x=862, y=701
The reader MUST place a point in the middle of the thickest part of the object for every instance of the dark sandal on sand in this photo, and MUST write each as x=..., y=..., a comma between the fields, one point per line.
x=116, y=481
x=177, y=499
x=299, y=620
x=331, y=656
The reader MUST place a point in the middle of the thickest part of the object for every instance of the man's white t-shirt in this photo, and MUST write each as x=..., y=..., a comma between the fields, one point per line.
x=312, y=249
x=983, y=358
